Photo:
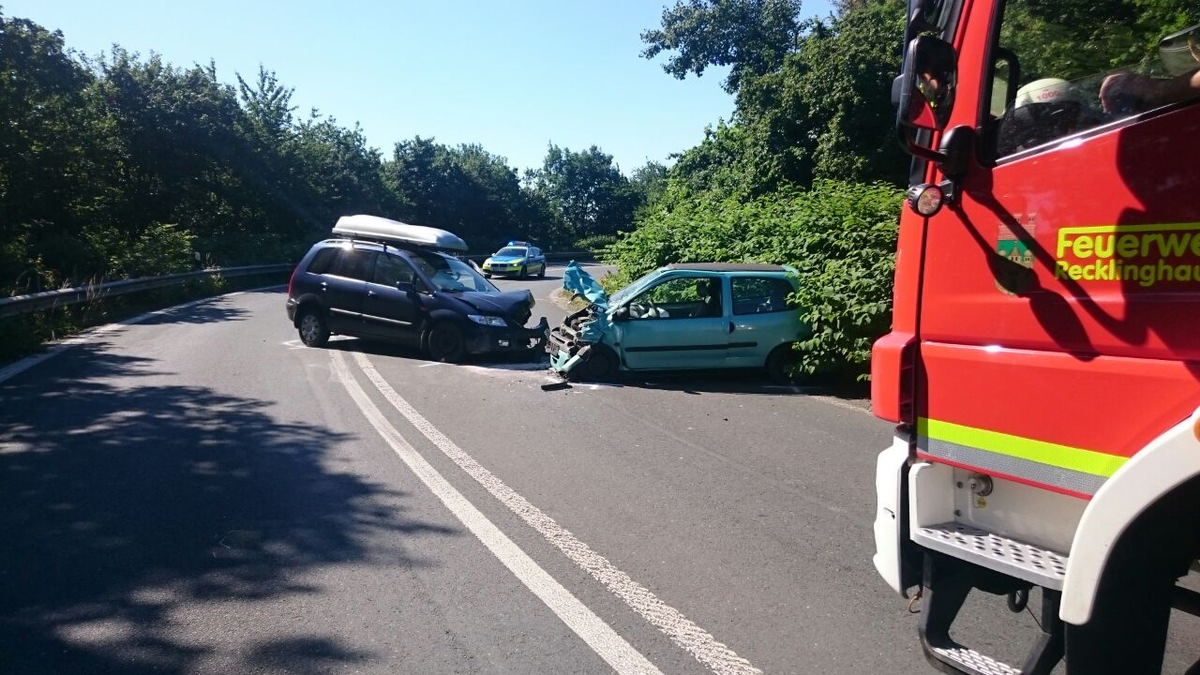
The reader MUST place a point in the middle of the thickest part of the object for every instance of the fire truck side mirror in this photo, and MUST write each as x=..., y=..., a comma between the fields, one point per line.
x=925, y=93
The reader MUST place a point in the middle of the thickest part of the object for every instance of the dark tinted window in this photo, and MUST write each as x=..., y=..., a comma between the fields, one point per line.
x=759, y=295
x=355, y=264
x=389, y=270
x=322, y=262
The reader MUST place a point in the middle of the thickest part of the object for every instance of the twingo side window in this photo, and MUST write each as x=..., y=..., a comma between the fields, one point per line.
x=679, y=298
x=1061, y=68
x=760, y=295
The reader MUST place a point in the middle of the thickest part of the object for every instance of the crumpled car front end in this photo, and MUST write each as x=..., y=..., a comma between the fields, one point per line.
x=497, y=323
x=570, y=342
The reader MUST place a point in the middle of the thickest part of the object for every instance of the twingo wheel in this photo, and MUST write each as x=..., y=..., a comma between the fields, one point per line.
x=445, y=343
x=781, y=364
x=314, y=332
x=600, y=366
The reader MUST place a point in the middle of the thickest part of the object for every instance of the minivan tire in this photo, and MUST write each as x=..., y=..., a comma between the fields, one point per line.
x=314, y=332
x=445, y=343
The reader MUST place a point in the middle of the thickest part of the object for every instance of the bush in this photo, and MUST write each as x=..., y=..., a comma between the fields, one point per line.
x=841, y=237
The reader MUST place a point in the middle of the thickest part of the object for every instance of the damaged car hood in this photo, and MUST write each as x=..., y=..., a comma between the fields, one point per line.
x=517, y=304
x=579, y=283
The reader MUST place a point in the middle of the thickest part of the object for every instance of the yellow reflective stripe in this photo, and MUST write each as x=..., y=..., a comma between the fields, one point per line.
x=1053, y=454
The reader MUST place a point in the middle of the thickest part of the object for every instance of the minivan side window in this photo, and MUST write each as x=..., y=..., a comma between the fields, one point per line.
x=323, y=261
x=760, y=295
x=355, y=263
x=390, y=270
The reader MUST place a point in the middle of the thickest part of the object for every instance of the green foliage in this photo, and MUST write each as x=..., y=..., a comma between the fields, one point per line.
x=1120, y=33
x=586, y=192
x=751, y=37
x=823, y=112
x=841, y=237
x=159, y=249
x=596, y=243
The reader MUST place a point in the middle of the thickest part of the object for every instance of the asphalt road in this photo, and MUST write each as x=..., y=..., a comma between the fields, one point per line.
x=198, y=492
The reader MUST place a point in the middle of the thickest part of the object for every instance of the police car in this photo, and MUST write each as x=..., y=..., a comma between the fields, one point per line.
x=516, y=259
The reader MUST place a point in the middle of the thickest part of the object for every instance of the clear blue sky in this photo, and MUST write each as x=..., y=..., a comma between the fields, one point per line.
x=510, y=75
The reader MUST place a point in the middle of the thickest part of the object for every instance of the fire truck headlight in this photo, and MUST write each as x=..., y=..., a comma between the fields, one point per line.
x=926, y=199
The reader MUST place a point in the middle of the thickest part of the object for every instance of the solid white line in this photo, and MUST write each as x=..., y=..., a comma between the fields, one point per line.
x=590, y=628
x=687, y=635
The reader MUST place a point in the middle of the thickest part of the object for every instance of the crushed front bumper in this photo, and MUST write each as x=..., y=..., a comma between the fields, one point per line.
x=493, y=340
x=566, y=349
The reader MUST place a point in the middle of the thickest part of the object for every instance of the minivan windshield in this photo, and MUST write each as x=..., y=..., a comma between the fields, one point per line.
x=451, y=274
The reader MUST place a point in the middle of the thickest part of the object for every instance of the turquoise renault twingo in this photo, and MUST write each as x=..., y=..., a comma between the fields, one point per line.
x=681, y=317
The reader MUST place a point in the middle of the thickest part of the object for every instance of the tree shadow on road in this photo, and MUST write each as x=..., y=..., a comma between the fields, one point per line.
x=119, y=505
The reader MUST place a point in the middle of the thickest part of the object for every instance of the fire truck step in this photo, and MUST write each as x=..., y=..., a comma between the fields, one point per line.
x=972, y=661
x=1023, y=560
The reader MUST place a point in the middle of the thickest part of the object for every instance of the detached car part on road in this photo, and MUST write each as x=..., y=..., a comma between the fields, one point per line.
x=517, y=259
x=388, y=280
x=681, y=317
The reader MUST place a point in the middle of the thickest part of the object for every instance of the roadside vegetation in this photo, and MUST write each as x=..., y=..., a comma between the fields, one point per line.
x=119, y=164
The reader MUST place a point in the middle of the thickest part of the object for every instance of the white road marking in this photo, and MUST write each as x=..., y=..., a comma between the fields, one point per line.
x=687, y=635
x=590, y=628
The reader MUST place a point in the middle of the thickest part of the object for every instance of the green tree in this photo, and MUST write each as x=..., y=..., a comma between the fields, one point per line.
x=466, y=190
x=751, y=37
x=44, y=158
x=587, y=192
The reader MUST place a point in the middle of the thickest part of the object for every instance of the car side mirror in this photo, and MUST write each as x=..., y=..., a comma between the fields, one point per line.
x=621, y=313
x=406, y=287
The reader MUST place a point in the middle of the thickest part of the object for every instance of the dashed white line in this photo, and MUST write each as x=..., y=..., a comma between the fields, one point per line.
x=590, y=628
x=717, y=656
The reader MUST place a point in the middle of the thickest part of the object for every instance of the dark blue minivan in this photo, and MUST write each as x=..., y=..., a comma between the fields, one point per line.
x=383, y=279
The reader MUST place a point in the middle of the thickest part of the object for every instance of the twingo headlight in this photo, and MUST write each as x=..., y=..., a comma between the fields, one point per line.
x=484, y=320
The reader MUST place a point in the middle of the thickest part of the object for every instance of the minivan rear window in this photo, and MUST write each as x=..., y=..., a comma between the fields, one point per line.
x=322, y=262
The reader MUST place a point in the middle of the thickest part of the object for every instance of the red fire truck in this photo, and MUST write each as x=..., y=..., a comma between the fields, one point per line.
x=1043, y=367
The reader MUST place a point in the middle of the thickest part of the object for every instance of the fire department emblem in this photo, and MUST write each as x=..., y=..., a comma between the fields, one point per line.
x=1014, y=266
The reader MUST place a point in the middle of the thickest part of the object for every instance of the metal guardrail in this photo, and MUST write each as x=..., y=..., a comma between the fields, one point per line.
x=551, y=256
x=35, y=302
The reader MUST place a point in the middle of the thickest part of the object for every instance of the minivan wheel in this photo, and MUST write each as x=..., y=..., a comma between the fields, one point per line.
x=445, y=343
x=313, y=331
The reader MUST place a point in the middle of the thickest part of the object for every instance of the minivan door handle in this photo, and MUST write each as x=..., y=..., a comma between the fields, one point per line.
x=730, y=326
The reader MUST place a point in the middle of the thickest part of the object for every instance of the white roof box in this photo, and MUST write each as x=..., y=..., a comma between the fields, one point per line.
x=387, y=230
